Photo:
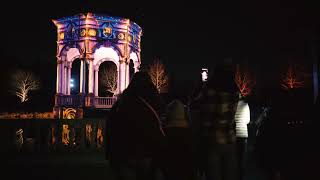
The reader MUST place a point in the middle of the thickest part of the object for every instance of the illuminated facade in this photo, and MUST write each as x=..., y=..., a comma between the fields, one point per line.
x=94, y=39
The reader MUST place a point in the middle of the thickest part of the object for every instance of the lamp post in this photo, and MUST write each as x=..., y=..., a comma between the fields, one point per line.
x=71, y=84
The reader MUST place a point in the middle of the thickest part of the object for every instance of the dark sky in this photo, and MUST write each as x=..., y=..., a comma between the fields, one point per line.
x=177, y=33
x=186, y=36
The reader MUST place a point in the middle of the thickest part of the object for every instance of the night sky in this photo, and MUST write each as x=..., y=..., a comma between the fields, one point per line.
x=185, y=36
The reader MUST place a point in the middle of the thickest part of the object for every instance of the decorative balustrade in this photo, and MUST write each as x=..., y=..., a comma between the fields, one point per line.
x=104, y=102
x=81, y=101
x=69, y=100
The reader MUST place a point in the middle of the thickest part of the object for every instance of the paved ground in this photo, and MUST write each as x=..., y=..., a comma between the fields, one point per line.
x=74, y=166
x=92, y=165
x=58, y=166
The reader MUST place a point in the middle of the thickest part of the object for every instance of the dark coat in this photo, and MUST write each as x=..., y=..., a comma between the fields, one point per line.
x=179, y=154
x=133, y=131
x=284, y=142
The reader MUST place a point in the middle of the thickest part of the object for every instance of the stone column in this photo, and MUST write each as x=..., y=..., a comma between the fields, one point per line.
x=122, y=73
x=91, y=76
x=82, y=76
x=127, y=74
x=59, y=62
x=96, y=82
x=69, y=79
x=65, y=78
x=118, y=80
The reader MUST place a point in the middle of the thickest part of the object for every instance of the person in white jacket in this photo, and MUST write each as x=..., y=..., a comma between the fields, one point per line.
x=242, y=118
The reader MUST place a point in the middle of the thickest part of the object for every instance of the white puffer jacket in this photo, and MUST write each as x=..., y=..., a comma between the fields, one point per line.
x=242, y=118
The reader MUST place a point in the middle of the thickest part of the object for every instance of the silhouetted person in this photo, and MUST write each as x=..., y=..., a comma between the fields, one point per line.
x=218, y=107
x=195, y=123
x=134, y=132
x=281, y=145
x=179, y=155
x=296, y=138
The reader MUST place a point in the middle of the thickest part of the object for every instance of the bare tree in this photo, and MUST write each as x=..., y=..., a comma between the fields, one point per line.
x=24, y=82
x=109, y=79
x=294, y=78
x=244, y=81
x=158, y=74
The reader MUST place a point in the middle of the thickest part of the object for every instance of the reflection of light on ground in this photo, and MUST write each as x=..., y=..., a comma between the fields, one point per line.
x=65, y=134
x=89, y=133
x=53, y=137
x=99, y=138
x=19, y=140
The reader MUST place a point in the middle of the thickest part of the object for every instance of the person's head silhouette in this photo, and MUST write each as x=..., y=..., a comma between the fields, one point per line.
x=222, y=78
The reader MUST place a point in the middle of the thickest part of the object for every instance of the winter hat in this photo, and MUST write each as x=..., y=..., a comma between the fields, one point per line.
x=176, y=116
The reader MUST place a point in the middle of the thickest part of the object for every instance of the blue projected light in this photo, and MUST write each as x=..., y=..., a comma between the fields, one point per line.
x=107, y=28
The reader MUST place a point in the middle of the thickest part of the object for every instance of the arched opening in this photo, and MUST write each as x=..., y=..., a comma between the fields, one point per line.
x=108, y=79
x=135, y=60
x=102, y=55
x=75, y=77
x=71, y=65
x=105, y=52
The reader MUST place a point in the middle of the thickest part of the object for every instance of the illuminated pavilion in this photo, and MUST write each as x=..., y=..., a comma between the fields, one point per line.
x=94, y=39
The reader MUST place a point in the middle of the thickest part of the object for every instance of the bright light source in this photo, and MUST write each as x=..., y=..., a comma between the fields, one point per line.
x=71, y=83
x=204, y=74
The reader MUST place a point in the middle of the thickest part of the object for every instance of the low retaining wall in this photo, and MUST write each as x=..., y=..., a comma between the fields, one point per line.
x=52, y=135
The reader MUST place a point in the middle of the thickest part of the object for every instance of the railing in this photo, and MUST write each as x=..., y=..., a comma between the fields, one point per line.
x=81, y=101
x=104, y=102
x=69, y=100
